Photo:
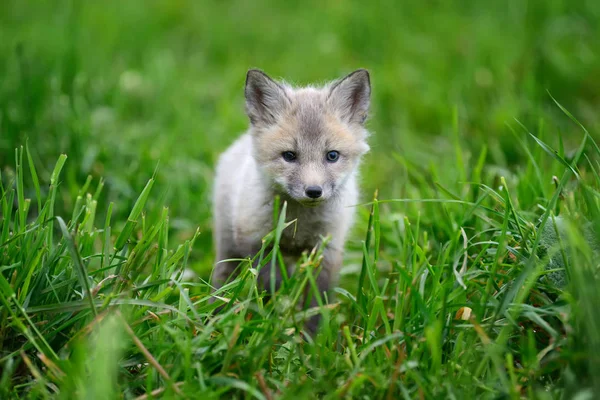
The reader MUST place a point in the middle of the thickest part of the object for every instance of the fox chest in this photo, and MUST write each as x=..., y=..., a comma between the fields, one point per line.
x=304, y=234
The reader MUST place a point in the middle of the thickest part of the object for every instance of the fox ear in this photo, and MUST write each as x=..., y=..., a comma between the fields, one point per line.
x=265, y=98
x=351, y=96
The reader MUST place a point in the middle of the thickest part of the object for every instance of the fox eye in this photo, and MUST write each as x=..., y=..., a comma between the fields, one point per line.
x=333, y=156
x=289, y=156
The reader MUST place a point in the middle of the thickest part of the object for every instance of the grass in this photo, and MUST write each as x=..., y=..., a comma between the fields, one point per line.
x=472, y=271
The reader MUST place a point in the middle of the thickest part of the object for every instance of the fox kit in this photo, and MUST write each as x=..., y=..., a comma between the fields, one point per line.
x=305, y=145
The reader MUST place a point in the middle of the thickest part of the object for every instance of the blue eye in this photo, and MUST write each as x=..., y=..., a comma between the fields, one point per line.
x=333, y=156
x=289, y=156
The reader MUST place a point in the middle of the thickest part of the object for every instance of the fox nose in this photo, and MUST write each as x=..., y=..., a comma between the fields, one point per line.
x=314, y=192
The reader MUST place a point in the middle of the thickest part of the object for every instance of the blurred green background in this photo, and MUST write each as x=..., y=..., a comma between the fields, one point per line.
x=127, y=87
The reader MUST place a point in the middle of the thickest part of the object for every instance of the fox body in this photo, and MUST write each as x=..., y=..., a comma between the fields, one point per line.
x=305, y=145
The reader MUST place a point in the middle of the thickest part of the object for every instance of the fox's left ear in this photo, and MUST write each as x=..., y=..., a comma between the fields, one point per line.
x=351, y=96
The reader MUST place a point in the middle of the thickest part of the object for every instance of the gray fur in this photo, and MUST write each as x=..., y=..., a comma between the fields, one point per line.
x=351, y=96
x=251, y=172
x=265, y=98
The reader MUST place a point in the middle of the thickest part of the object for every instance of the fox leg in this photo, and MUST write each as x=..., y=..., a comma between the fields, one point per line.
x=224, y=271
x=330, y=266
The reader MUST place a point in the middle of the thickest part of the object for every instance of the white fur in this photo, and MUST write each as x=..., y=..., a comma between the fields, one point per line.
x=243, y=204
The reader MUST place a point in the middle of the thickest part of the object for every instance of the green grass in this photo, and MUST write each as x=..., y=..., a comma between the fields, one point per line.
x=472, y=273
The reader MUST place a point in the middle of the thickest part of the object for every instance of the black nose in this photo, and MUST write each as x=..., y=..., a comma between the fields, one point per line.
x=314, y=192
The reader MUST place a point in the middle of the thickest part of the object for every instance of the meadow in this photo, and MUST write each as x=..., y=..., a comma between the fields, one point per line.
x=472, y=270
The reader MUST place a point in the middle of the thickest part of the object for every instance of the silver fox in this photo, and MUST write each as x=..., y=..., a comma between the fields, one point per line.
x=305, y=145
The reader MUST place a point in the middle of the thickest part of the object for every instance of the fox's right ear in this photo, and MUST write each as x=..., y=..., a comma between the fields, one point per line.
x=265, y=98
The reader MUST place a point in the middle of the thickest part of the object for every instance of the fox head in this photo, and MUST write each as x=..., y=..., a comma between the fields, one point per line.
x=308, y=141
